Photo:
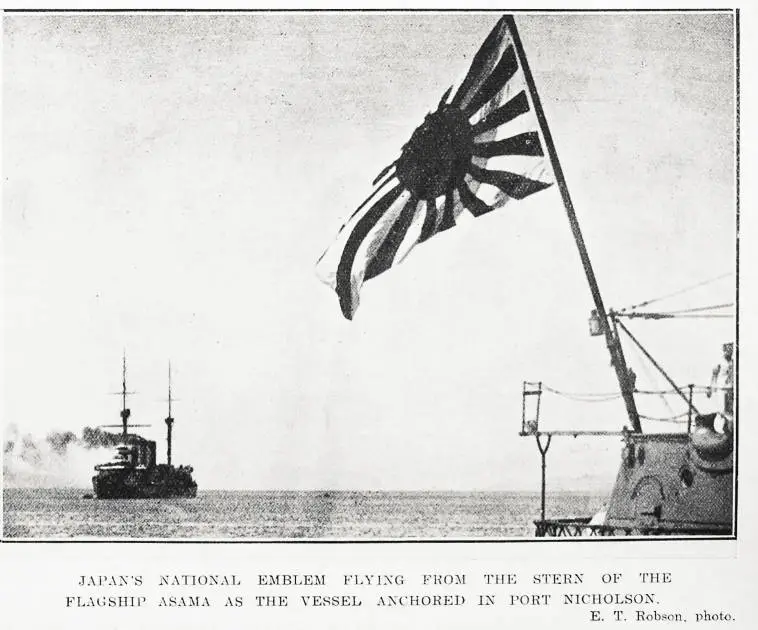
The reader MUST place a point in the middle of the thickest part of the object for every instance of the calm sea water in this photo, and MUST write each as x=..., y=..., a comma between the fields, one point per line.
x=59, y=513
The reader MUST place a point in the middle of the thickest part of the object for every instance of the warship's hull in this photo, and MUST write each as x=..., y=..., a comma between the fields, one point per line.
x=672, y=484
x=158, y=482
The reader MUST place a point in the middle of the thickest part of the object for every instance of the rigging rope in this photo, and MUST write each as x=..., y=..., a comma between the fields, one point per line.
x=584, y=397
x=679, y=292
x=701, y=308
x=652, y=378
x=699, y=316
x=696, y=389
x=677, y=418
x=690, y=405
x=673, y=315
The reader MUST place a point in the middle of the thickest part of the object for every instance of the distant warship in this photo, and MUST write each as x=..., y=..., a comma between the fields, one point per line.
x=133, y=472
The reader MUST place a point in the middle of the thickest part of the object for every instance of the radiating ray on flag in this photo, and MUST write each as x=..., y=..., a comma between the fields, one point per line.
x=326, y=266
x=387, y=250
x=429, y=228
x=413, y=234
x=448, y=214
x=483, y=62
x=504, y=70
x=512, y=184
x=475, y=152
x=506, y=113
x=523, y=144
x=473, y=204
x=365, y=238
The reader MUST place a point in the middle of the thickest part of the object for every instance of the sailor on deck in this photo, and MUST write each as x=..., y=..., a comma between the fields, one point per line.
x=722, y=380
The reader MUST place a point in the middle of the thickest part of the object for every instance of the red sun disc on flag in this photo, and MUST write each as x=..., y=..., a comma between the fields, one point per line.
x=438, y=154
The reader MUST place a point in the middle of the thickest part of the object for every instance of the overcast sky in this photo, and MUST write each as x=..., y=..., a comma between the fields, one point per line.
x=171, y=180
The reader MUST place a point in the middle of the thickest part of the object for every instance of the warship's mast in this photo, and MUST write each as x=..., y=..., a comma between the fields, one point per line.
x=124, y=411
x=169, y=419
x=614, y=346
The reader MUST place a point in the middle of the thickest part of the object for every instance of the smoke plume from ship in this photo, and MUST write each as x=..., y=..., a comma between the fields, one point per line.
x=61, y=459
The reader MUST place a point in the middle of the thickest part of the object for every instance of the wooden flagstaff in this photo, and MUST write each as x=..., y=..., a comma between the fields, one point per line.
x=614, y=347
